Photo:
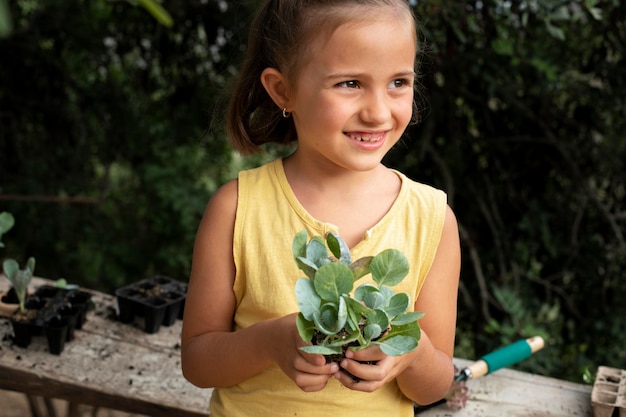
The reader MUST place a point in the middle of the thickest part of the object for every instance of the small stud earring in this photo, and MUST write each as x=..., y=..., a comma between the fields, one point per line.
x=286, y=113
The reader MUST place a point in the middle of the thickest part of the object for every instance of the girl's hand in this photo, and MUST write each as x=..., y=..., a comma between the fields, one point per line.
x=309, y=372
x=369, y=369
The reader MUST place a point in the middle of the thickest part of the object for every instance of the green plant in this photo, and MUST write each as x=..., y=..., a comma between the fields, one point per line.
x=333, y=320
x=20, y=278
x=6, y=223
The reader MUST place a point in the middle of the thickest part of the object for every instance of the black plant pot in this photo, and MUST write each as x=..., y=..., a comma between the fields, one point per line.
x=159, y=300
x=57, y=331
x=53, y=312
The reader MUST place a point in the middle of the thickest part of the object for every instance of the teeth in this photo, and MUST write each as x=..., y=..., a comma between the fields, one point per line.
x=365, y=139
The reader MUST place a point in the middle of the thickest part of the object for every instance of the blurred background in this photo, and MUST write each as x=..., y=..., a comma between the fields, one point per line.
x=111, y=145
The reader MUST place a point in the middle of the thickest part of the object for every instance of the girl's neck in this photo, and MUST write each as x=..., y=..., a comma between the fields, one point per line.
x=353, y=201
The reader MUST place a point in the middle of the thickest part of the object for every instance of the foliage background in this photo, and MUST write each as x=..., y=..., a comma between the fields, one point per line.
x=109, y=152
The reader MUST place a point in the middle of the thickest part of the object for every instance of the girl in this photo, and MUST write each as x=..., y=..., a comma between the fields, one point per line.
x=337, y=77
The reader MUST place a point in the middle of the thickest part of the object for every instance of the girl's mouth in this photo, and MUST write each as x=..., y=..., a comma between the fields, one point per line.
x=366, y=137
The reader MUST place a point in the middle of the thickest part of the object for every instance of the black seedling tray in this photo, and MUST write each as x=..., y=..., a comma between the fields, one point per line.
x=160, y=300
x=54, y=312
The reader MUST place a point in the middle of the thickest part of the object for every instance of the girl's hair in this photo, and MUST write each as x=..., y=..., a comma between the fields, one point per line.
x=279, y=37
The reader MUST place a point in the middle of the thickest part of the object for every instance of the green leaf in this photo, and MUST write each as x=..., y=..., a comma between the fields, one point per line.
x=379, y=317
x=321, y=349
x=372, y=331
x=305, y=327
x=306, y=266
x=308, y=300
x=374, y=299
x=6, y=222
x=331, y=318
x=397, y=345
x=157, y=11
x=399, y=303
x=411, y=329
x=361, y=267
x=316, y=252
x=298, y=245
x=339, y=248
x=332, y=280
x=356, y=310
x=406, y=318
x=362, y=291
x=6, y=24
x=389, y=267
x=10, y=268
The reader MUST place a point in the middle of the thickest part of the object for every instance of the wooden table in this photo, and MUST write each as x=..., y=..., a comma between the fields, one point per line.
x=108, y=364
x=510, y=393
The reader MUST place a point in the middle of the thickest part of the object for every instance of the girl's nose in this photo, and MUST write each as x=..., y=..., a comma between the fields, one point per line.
x=376, y=108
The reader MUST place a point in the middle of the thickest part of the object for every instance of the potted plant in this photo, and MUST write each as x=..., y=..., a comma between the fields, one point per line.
x=333, y=317
x=54, y=310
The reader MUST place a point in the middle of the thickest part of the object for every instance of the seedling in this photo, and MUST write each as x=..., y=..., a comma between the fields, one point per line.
x=20, y=278
x=333, y=320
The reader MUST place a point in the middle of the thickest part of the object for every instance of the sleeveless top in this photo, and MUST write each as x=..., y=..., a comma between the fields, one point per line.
x=267, y=219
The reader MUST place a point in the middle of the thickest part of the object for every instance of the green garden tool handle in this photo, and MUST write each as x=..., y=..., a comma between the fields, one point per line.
x=501, y=358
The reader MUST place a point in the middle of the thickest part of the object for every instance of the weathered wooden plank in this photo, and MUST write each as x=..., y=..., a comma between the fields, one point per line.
x=512, y=393
x=108, y=364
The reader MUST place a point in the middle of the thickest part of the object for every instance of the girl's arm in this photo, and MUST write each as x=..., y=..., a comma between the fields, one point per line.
x=429, y=375
x=212, y=354
x=425, y=374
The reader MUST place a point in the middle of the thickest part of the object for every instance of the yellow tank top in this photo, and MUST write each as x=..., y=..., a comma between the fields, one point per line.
x=268, y=217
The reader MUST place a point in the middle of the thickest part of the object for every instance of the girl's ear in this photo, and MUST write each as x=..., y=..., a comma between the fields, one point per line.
x=276, y=86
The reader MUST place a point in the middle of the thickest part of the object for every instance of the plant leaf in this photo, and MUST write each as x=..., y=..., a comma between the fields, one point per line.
x=298, y=245
x=406, y=318
x=411, y=329
x=389, y=267
x=331, y=318
x=362, y=291
x=361, y=267
x=10, y=268
x=157, y=11
x=397, y=345
x=398, y=304
x=308, y=300
x=6, y=222
x=372, y=331
x=316, y=252
x=374, y=299
x=305, y=328
x=306, y=266
x=332, y=280
x=339, y=248
x=321, y=349
x=379, y=317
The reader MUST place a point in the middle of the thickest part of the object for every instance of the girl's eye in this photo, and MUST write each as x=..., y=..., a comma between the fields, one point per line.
x=400, y=83
x=349, y=84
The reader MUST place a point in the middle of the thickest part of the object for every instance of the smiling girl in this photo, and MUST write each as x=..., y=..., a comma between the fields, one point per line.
x=337, y=77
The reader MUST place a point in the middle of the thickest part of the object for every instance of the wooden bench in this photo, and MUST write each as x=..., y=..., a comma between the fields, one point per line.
x=108, y=364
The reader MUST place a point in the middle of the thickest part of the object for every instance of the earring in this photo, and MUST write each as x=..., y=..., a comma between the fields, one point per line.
x=286, y=113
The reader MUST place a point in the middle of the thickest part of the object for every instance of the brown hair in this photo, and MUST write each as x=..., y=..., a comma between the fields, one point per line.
x=279, y=37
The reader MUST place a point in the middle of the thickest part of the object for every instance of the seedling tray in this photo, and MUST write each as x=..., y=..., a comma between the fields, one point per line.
x=52, y=312
x=608, y=396
x=159, y=300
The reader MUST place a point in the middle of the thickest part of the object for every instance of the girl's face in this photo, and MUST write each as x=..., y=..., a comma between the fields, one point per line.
x=353, y=97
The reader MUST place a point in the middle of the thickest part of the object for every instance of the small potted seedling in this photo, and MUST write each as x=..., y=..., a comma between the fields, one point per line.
x=333, y=317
